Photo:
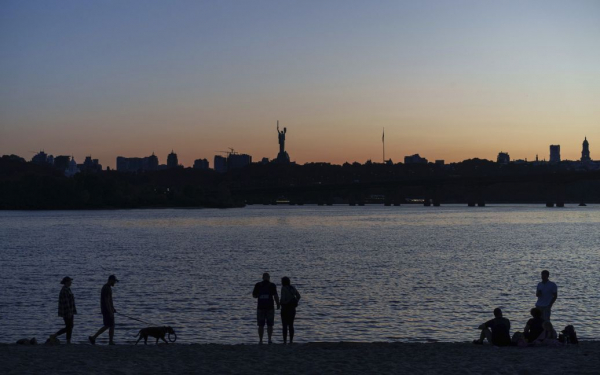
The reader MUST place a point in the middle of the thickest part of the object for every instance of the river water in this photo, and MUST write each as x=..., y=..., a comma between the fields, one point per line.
x=370, y=273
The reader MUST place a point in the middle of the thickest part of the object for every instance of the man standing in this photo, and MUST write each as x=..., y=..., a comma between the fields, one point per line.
x=547, y=292
x=108, y=311
x=265, y=292
x=500, y=330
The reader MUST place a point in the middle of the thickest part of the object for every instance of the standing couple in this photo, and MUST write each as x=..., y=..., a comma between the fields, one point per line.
x=266, y=293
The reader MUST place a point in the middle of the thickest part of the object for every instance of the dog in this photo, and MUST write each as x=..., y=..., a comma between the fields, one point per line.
x=157, y=332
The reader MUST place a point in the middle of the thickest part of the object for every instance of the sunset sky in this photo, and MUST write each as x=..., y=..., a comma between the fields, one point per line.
x=447, y=79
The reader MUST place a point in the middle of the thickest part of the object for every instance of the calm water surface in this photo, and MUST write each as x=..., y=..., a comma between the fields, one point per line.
x=365, y=273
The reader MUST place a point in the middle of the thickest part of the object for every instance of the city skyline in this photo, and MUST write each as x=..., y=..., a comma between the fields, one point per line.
x=451, y=82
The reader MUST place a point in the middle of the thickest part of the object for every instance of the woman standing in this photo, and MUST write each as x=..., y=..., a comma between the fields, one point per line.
x=66, y=308
x=289, y=302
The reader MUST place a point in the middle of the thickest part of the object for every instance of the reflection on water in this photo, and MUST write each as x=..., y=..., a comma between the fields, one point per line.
x=365, y=273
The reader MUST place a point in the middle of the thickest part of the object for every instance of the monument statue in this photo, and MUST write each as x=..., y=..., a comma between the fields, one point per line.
x=283, y=156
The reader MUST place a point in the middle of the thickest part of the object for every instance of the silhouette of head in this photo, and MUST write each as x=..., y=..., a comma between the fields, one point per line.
x=285, y=281
x=536, y=313
x=545, y=275
x=66, y=281
x=497, y=312
x=266, y=276
x=112, y=280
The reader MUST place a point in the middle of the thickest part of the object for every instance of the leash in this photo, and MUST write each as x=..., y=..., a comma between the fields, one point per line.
x=139, y=320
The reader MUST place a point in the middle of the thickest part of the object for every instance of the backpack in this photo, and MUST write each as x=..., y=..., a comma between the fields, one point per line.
x=294, y=301
x=568, y=335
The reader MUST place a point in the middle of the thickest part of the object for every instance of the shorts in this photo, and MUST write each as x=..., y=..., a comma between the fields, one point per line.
x=546, y=311
x=109, y=321
x=263, y=316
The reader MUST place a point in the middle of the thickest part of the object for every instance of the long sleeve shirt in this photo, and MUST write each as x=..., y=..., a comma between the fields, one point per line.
x=66, y=303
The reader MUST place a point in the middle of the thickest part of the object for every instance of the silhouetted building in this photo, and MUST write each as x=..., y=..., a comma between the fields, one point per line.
x=200, y=164
x=172, y=160
x=554, y=153
x=148, y=163
x=72, y=169
x=585, y=152
x=90, y=165
x=62, y=162
x=42, y=158
x=238, y=160
x=503, y=158
x=414, y=159
x=220, y=164
x=440, y=162
x=264, y=161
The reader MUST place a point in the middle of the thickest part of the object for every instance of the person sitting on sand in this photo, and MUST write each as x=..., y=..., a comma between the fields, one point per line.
x=535, y=325
x=66, y=309
x=289, y=302
x=265, y=292
x=500, y=330
x=548, y=336
x=108, y=312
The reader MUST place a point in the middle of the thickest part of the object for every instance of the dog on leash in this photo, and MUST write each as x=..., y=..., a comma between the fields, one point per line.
x=156, y=332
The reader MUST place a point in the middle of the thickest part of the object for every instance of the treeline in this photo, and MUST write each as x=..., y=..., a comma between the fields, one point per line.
x=25, y=185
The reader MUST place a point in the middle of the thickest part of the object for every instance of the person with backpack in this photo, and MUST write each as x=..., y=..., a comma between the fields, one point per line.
x=265, y=292
x=289, y=302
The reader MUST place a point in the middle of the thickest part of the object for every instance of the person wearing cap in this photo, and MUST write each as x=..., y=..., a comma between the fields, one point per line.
x=108, y=311
x=66, y=308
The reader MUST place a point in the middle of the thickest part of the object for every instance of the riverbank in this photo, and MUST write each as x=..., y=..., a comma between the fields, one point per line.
x=311, y=358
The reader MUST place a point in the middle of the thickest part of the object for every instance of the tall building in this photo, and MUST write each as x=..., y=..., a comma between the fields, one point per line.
x=585, y=152
x=148, y=163
x=42, y=158
x=554, y=153
x=414, y=159
x=90, y=165
x=201, y=164
x=235, y=161
x=172, y=160
x=72, y=169
x=220, y=164
x=503, y=158
x=62, y=162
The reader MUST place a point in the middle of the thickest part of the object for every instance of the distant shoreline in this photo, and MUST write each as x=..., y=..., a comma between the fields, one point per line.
x=326, y=357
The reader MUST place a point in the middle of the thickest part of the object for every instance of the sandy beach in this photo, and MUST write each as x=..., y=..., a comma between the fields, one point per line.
x=311, y=358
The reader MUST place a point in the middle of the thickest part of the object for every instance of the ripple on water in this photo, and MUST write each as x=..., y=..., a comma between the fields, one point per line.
x=369, y=274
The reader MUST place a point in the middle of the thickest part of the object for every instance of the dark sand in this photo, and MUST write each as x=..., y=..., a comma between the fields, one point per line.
x=312, y=358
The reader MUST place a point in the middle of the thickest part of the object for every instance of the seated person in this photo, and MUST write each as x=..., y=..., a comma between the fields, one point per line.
x=500, y=330
x=535, y=326
x=548, y=335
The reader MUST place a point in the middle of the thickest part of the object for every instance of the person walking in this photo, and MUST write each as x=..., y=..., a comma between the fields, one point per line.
x=108, y=312
x=547, y=292
x=265, y=291
x=289, y=302
x=66, y=309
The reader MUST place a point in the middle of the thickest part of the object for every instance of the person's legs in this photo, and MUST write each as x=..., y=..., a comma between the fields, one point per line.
x=111, y=334
x=94, y=337
x=485, y=334
x=284, y=324
x=260, y=321
x=291, y=318
x=69, y=327
x=270, y=323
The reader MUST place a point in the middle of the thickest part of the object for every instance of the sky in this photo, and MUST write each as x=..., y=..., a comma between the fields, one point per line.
x=449, y=80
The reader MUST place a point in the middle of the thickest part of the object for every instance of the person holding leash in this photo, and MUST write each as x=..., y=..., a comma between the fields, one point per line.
x=108, y=311
x=66, y=309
